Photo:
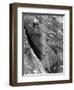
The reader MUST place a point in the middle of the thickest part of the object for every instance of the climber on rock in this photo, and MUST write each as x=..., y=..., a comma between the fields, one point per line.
x=35, y=23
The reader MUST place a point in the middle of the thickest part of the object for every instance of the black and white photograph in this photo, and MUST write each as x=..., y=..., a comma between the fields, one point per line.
x=42, y=44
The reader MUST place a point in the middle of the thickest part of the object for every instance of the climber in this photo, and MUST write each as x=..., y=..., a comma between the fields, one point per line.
x=35, y=23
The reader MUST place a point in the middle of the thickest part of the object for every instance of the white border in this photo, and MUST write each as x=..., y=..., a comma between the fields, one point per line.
x=66, y=36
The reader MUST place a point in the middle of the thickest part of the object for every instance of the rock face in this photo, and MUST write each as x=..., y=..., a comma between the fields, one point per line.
x=42, y=55
x=32, y=64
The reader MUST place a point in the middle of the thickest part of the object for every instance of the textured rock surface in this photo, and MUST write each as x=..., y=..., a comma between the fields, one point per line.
x=47, y=39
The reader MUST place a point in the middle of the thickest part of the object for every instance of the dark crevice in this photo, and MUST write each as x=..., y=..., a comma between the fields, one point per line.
x=32, y=45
